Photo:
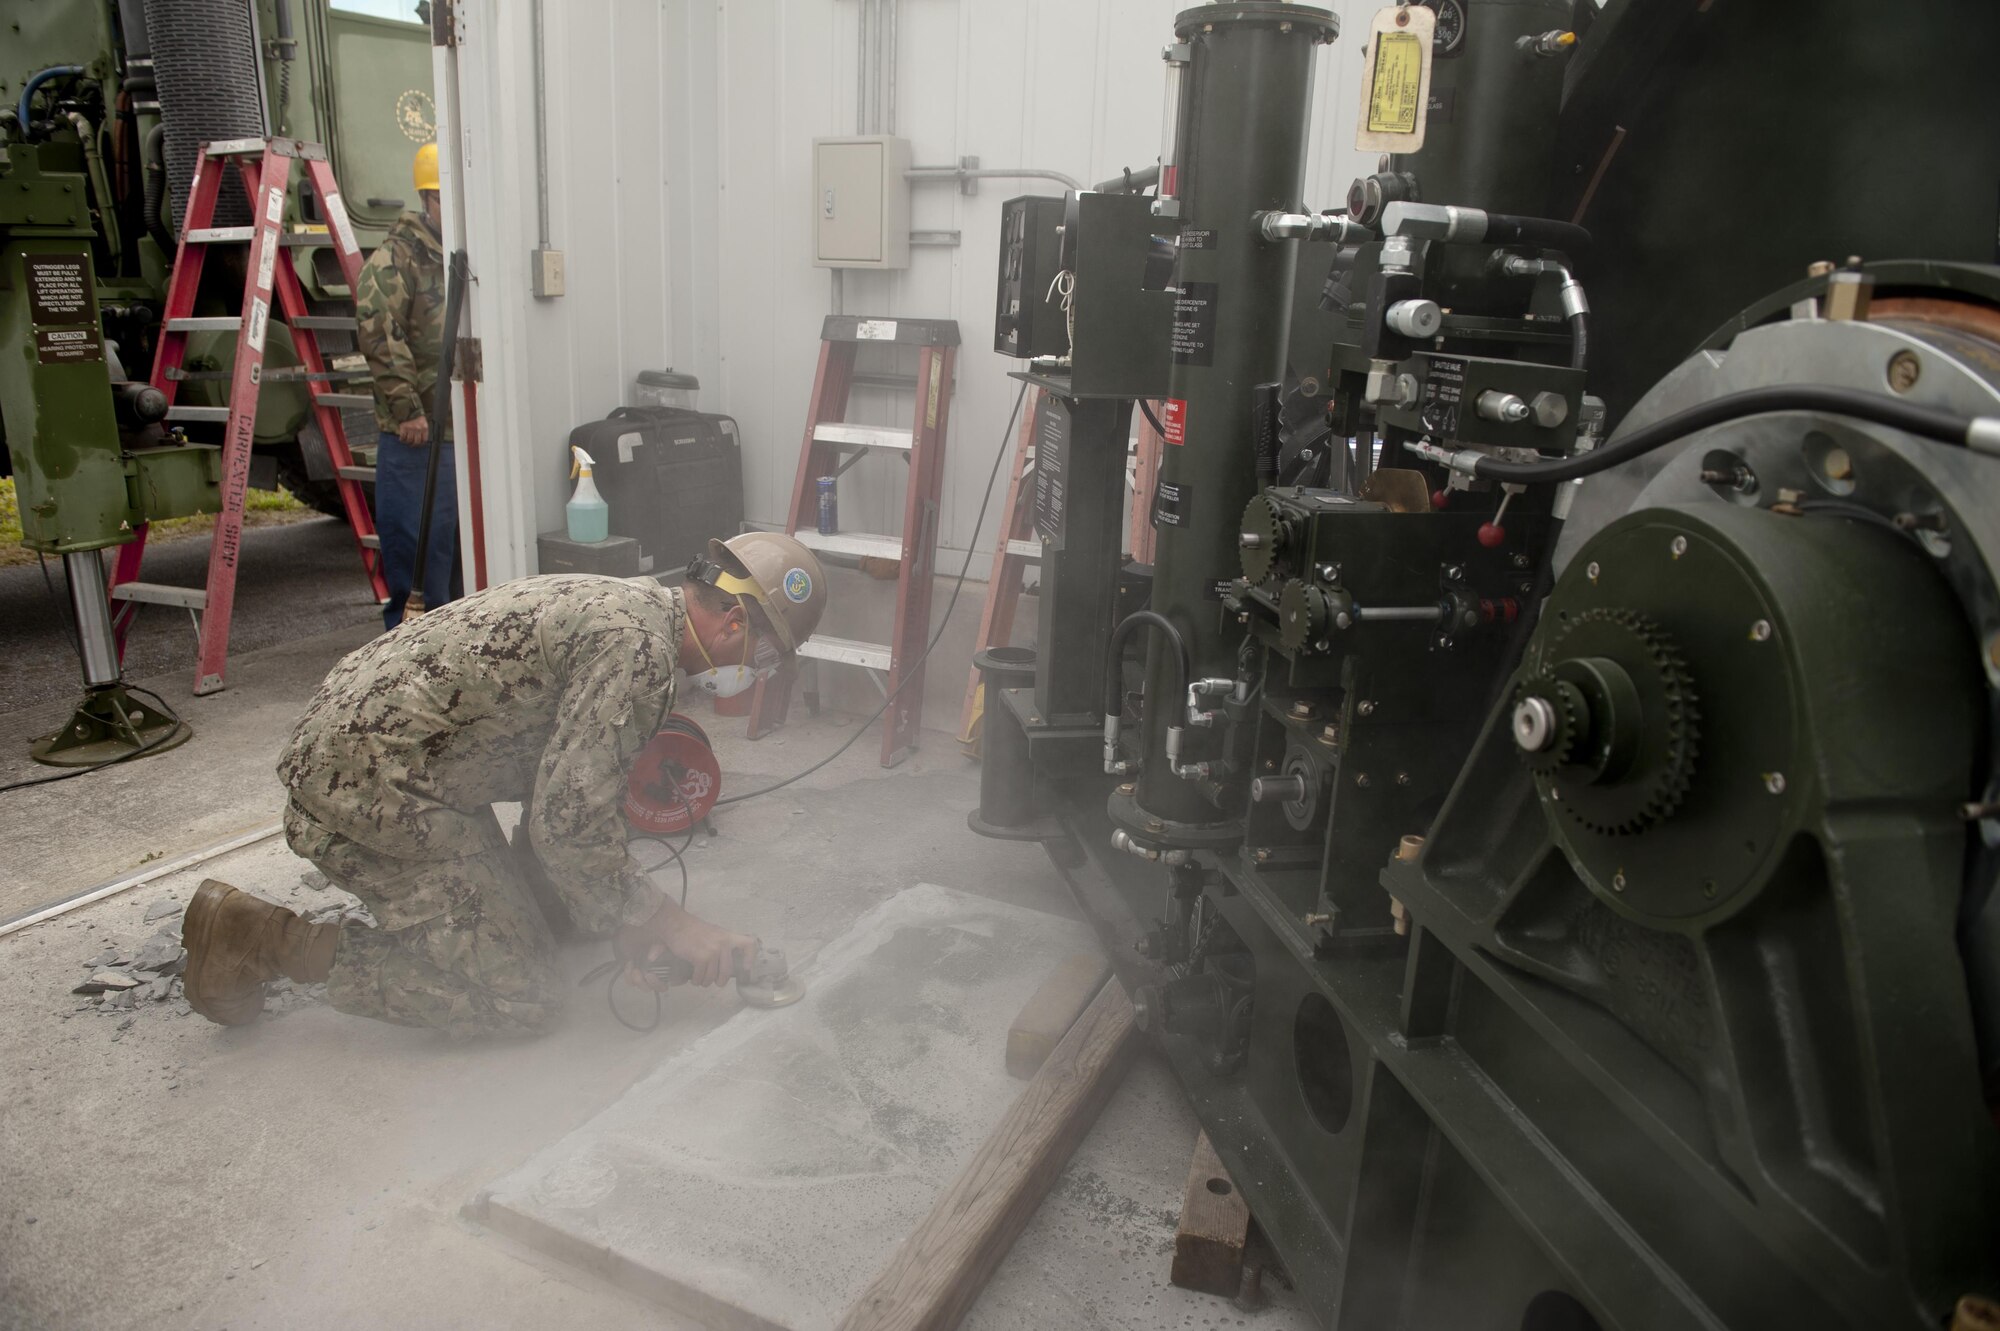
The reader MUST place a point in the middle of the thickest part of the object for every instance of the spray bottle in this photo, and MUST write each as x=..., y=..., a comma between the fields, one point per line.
x=589, y=517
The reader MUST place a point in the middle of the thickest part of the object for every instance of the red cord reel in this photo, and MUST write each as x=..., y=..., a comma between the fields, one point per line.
x=675, y=780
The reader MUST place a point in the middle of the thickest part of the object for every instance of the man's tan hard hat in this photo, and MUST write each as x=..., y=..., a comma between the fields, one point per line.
x=780, y=575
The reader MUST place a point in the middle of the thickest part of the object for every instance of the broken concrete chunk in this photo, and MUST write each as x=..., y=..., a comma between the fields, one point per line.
x=159, y=954
x=314, y=879
x=107, y=979
x=162, y=908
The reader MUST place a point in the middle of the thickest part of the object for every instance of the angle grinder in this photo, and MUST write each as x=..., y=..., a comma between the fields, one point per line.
x=768, y=983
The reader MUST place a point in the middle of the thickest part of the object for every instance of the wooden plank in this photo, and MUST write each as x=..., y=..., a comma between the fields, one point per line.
x=1215, y=1226
x=1052, y=1010
x=944, y=1263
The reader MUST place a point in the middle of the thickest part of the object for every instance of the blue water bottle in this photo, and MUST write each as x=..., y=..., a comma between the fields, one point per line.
x=829, y=507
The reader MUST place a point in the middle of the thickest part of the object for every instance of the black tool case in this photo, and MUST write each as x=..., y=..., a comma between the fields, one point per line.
x=671, y=477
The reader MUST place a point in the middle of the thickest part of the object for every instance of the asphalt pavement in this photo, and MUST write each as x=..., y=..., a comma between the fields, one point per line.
x=294, y=582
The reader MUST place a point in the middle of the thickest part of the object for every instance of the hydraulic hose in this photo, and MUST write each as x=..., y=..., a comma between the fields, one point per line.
x=34, y=85
x=153, y=173
x=1114, y=657
x=1980, y=433
x=100, y=185
x=1114, y=682
x=1476, y=226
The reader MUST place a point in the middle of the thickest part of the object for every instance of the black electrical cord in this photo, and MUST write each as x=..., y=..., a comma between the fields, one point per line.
x=159, y=705
x=1944, y=427
x=911, y=673
x=613, y=970
x=1146, y=410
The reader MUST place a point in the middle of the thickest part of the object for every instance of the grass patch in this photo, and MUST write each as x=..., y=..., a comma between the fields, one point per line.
x=261, y=508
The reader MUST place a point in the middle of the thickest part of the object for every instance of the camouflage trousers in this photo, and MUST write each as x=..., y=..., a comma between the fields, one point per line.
x=485, y=966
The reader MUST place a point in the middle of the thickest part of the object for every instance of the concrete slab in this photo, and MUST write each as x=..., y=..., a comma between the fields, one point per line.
x=760, y=1178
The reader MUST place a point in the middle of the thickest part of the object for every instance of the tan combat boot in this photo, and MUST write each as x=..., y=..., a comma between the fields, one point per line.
x=235, y=942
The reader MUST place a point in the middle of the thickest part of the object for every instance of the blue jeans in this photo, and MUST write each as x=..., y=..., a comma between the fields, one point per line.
x=399, y=505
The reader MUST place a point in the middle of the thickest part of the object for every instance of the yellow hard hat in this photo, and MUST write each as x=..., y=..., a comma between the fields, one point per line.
x=425, y=169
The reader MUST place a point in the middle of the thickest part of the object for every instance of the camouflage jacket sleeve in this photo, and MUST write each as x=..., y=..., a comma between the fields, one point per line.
x=382, y=313
x=620, y=687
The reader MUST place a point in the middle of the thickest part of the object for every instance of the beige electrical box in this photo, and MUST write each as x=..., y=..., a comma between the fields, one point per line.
x=861, y=202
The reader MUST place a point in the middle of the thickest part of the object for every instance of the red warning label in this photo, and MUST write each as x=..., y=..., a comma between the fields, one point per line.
x=1175, y=419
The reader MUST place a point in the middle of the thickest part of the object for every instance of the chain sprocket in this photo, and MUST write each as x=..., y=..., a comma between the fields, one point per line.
x=1630, y=762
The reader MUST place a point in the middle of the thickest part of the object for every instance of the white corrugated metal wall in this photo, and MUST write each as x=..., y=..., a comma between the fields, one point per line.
x=1069, y=85
x=680, y=137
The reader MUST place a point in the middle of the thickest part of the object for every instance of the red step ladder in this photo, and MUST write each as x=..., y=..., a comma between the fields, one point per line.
x=831, y=445
x=1022, y=547
x=265, y=166
x=1018, y=547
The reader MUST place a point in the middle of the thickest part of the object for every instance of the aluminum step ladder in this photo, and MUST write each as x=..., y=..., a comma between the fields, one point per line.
x=831, y=445
x=271, y=287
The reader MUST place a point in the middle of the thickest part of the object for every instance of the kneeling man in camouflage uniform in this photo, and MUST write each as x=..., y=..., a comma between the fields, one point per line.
x=540, y=691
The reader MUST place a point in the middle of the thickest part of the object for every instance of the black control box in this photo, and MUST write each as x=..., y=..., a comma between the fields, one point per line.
x=1028, y=316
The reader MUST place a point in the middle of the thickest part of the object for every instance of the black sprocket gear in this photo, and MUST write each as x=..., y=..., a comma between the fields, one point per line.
x=1565, y=703
x=1633, y=759
x=1263, y=525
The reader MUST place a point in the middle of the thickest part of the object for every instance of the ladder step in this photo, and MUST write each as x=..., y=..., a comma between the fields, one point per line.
x=197, y=413
x=853, y=543
x=1025, y=549
x=234, y=147
x=355, y=473
x=159, y=593
x=217, y=235
x=846, y=651
x=228, y=323
x=344, y=401
x=297, y=375
x=371, y=541
x=906, y=383
x=324, y=323
x=864, y=436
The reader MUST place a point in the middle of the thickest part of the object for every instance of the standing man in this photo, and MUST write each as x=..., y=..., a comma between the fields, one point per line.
x=540, y=691
x=400, y=311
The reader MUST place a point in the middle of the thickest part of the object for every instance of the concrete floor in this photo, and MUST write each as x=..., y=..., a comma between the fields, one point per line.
x=310, y=1171
x=297, y=582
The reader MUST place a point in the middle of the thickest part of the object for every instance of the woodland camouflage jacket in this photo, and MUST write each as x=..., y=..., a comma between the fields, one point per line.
x=399, y=304
x=541, y=691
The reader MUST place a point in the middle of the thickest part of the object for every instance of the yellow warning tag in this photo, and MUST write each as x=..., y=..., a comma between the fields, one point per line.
x=1396, y=80
x=1399, y=77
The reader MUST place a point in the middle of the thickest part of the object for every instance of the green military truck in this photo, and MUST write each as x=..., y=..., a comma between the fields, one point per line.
x=122, y=93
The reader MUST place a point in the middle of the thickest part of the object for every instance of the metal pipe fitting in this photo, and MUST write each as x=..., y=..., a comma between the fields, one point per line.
x=1113, y=764
x=1122, y=840
x=1556, y=41
x=1211, y=687
x=1288, y=789
x=1464, y=461
x=1336, y=228
x=1418, y=320
x=1496, y=405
